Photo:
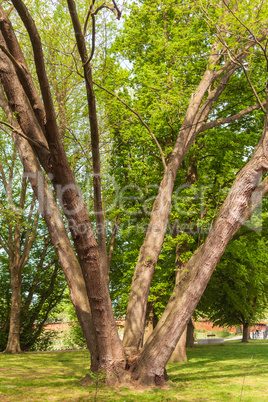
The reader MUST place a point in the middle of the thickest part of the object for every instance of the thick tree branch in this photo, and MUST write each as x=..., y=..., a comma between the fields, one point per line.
x=50, y=126
x=229, y=119
x=94, y=130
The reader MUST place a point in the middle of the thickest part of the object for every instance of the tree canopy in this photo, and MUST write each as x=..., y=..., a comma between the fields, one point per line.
x=153, y=131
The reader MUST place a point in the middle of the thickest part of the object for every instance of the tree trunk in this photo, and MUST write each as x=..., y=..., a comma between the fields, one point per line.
x=193, y=278
x=149, y=322
x=190, y=338
x=59, y=237
x=13, y=344
x=54, y=161
x=153, y=242
x=246, y=333
x=94, y=133
x=179, y=353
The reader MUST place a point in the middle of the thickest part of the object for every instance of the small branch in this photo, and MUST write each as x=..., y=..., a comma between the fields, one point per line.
x=38, y=143
x=245, y=233
x=249, y=31
x=229, y=119
x=115, y=10
x=9, y=11
x=4, y=245
x=93, y=41
x=119, y=13
x=252, y=87
x=80, y=145
x=112, y=241
x=9, y=55
x=140, y=118
x=86, y=21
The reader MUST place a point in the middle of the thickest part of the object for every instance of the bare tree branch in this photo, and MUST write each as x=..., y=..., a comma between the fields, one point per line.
x=229, y=119
x=38, y=143
x=140, y=118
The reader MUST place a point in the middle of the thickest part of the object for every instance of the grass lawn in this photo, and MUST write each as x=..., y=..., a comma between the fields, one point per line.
x=213, y=373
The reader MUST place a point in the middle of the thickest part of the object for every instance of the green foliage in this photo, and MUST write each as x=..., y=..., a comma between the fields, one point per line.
x=43, y=282
x=165, y=47
x=42, y=342
x=154, y=64
x=238, y=290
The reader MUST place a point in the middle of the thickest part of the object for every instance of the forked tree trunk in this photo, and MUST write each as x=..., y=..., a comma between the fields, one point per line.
x=193, y=279
x=13, y=344
x=149, y=368
x=246, y=333
x=153, y=242
x=53, y=158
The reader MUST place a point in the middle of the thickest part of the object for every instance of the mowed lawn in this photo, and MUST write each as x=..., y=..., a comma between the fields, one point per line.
x=229, y=372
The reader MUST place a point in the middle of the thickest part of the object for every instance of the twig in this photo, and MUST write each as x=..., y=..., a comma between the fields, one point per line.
x=40, y=144
x=140, y=118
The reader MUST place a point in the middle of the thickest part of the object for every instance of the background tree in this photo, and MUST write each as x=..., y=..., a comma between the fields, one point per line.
x=237, y=292
x=35, y=282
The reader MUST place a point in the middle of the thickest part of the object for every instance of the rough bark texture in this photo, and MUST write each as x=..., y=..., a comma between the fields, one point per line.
x=13, y=344
x=153, y=242
x=190, y=338
x=149, y=322
x=52, y=157
x=194, y=277
x=246, y=333
x=179, y=353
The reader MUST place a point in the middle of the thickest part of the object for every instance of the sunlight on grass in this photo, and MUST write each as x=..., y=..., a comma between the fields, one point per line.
x=212, y=373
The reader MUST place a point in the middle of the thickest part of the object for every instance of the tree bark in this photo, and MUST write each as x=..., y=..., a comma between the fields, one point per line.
x=13, y=344
x=94, y=132
x=154, y=238
x=190, y=338
x=246, y=333
x=193, y=279
x=149, y=322
x=52, y=157
x=179, y=353
x=59, y=237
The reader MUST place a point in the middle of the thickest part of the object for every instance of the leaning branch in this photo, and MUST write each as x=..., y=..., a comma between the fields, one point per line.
x=38, y=143
x=229, y=119
x=51, y=123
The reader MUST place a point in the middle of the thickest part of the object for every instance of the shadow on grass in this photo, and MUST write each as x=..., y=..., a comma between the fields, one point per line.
x=229, y=360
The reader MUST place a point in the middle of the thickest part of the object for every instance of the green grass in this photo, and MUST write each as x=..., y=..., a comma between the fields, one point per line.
x=212, y=373
x=201, y=333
